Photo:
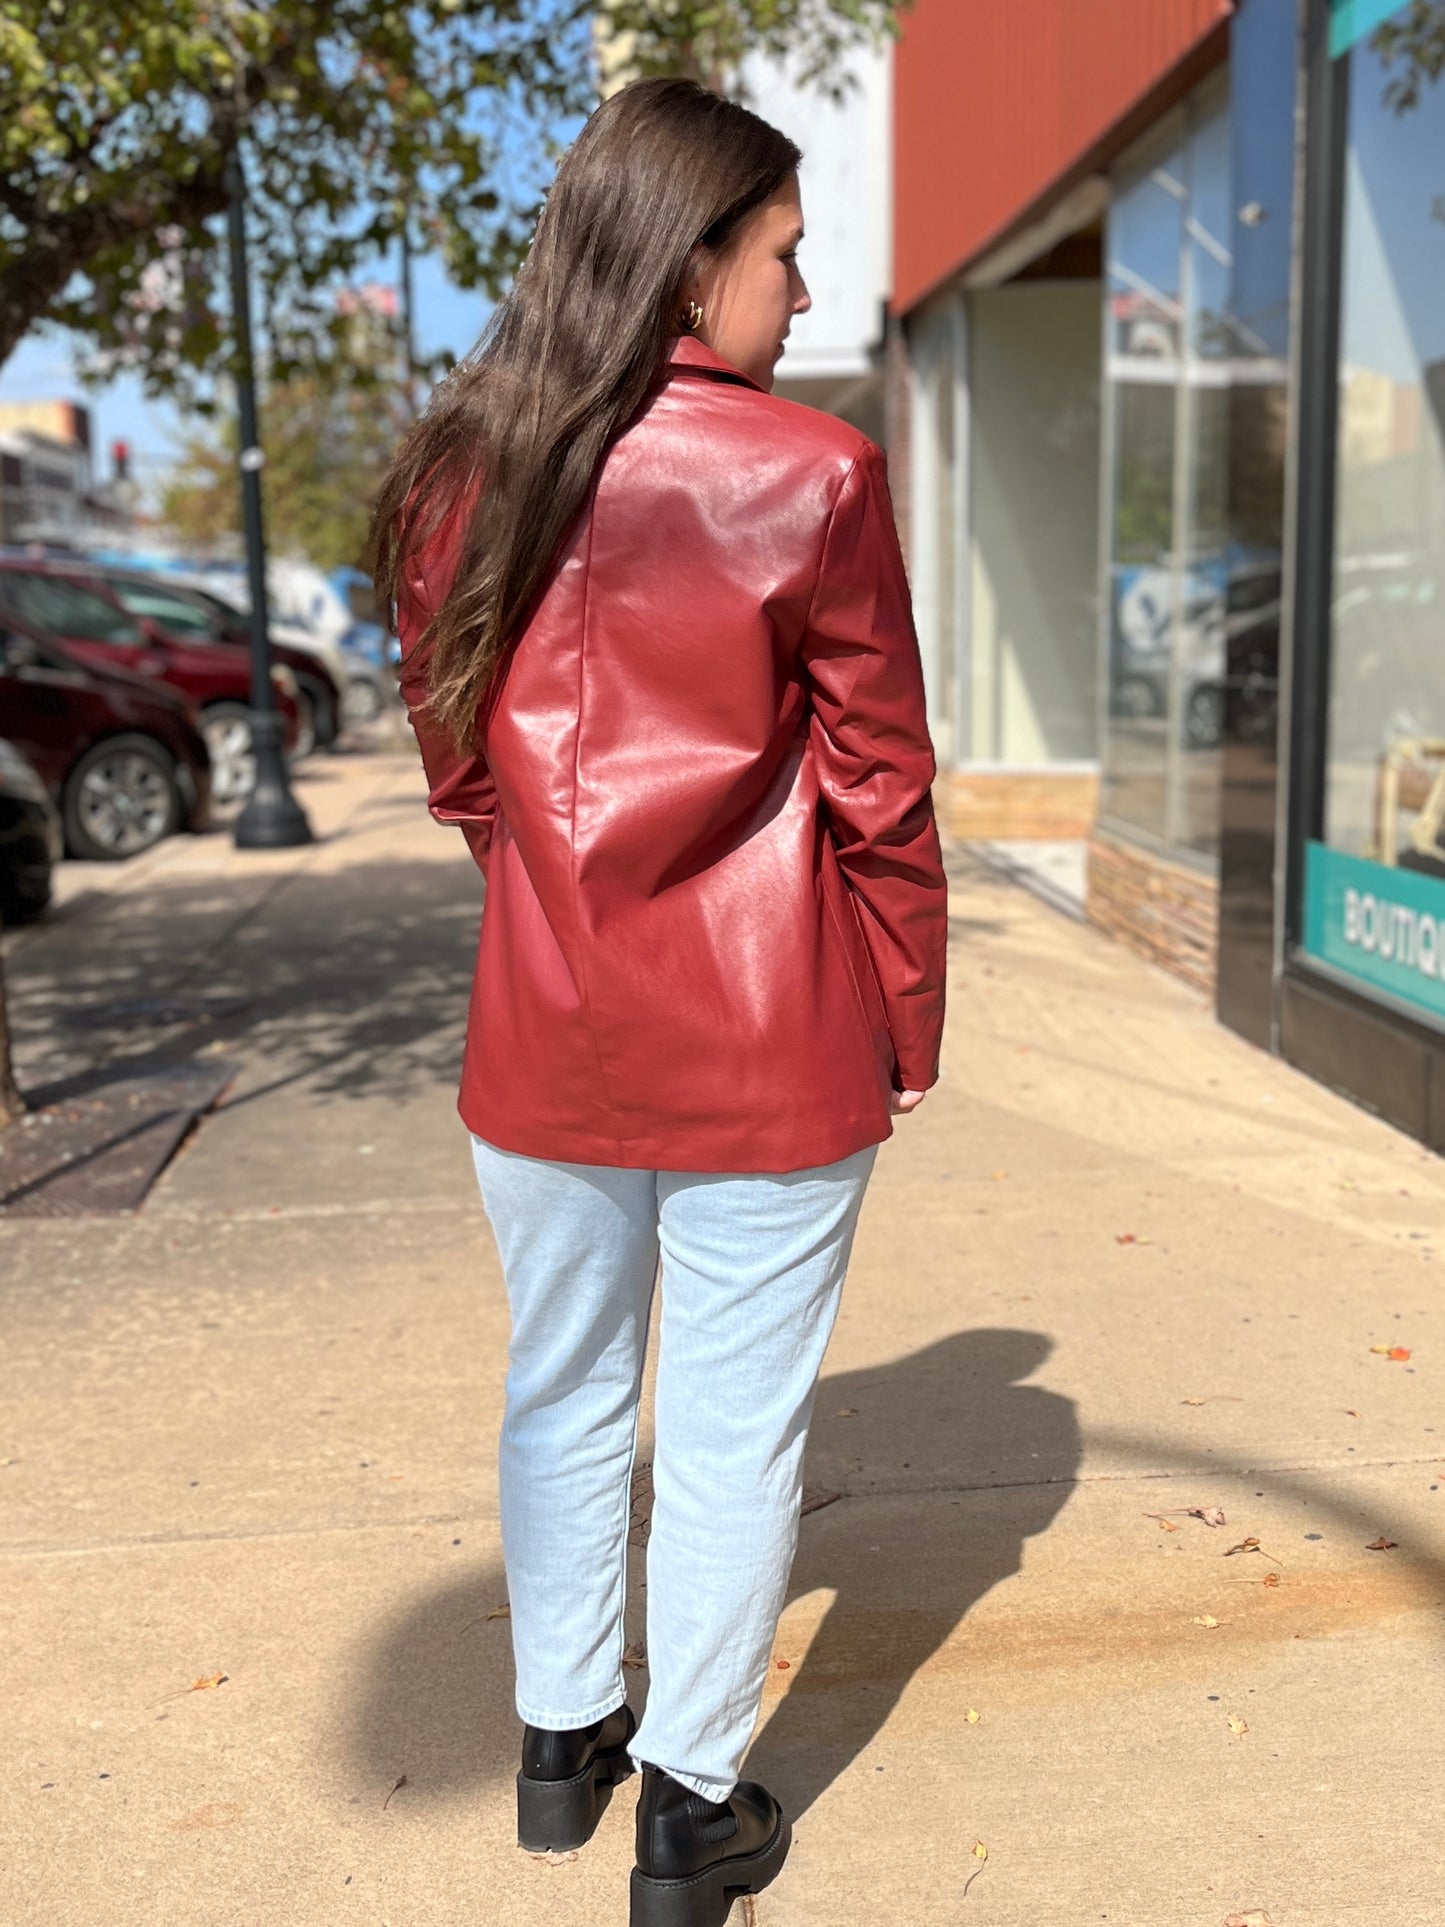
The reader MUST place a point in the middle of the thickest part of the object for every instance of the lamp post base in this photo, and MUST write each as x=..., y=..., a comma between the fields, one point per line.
x=272, y=818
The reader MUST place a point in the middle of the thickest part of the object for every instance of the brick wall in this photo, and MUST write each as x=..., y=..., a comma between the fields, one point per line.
x=1167, y=911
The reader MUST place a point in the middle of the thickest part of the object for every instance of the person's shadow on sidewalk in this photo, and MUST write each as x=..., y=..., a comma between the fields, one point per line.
x=948, y=1464
x=985, y=1463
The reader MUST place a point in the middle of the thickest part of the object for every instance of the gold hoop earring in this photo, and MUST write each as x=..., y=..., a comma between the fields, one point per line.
x=692, y=317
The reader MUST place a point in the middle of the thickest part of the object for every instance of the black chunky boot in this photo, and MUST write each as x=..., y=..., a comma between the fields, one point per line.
x=695, y=1856
x=567, y=1779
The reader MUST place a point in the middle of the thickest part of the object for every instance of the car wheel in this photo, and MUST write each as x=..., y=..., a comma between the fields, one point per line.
x=1134, y=697
x=324, y=707
x=305, y=742
x=21, y=903
x=227, y=730
x=362, y=701
x=121, y=798
x=25, y=873
x=1204, y=718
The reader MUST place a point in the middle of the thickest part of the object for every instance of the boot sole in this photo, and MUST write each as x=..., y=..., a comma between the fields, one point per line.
x=705, y=1899
x=558, y=1816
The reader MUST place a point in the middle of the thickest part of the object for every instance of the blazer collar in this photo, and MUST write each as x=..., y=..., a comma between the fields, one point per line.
x=687, y=355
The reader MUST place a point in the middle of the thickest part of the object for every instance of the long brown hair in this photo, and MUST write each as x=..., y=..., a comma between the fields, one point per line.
x=515, y=433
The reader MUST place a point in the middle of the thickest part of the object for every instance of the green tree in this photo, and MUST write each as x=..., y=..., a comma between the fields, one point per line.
x=115, y=126
x=329, y=434
x=359, y=117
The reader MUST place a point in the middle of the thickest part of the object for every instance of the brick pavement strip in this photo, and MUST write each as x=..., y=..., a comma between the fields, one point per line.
x=1119, y=1265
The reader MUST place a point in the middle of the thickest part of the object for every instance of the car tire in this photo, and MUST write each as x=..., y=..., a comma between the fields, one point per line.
x=227, y=730
x=361, y=702
x=323, y=710
x=19, y=907
x=1204, y=717
x=1135, y=698
x=121, y=798
x=305, y=743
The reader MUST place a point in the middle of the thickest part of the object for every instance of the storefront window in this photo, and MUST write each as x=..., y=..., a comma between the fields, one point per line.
x=1375, y=885
x=1167, y=371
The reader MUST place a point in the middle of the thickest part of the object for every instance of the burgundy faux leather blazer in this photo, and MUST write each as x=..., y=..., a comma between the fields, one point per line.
x=713, y=935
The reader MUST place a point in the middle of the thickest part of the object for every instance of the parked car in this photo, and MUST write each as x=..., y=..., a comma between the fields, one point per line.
x=193, y=616
x=372, y=635
x=306, y=612
x=30, y=839
x=215, y=677
x=124, y=759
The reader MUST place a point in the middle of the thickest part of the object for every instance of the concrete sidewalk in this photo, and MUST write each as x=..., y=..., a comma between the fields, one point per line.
x=1118, y=1266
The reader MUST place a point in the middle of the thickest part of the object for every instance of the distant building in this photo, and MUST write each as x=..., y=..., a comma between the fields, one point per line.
x=834, y=358
x=48, y=489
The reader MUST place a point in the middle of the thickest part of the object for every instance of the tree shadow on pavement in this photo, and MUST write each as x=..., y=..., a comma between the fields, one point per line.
x=351, y=983
x=954, y=1419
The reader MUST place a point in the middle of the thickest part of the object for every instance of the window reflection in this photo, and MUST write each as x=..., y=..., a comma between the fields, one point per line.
x=1171, y=349
x=1385, y=782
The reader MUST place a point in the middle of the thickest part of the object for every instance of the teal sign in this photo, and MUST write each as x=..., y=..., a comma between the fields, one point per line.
x=1351, y=20
x=1383, y=927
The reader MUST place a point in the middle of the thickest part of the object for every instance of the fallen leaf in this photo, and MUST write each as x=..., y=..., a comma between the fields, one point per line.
x=1349, y=1413
x=1164, y=1524
x=1270, y=1579
x=1191, y=1401
x=1237, y=1726
x=499, y=1612
x=973, y=1716
x=1212, y=1515
x=396, y=1789
x=211, y=1680
x=980, y=1854
x=1125, y=1238
x=785, y=1665
x=1398, y=1352
x=1382, y=1544
x=636, y=1658
x=1207, y=1619
x=1245, y=1545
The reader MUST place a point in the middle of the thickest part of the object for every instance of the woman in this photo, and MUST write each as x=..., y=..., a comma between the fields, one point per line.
x=658, y=654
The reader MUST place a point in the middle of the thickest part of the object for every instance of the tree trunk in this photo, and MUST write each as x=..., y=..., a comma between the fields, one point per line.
x=12, y=1104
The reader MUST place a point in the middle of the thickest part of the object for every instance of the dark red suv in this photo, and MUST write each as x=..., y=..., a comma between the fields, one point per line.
x=124, y=759
x=214, y=677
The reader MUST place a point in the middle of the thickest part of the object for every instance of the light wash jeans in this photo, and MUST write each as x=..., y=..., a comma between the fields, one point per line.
x=752, y=1271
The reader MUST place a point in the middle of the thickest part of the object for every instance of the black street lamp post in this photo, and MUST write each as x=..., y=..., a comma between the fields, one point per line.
x=272, y=819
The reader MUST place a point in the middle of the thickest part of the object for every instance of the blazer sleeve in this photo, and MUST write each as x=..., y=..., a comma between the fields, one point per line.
x=875, y=762
x=460, y=786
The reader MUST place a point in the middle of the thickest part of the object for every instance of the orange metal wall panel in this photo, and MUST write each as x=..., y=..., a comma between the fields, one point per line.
x=995, y=99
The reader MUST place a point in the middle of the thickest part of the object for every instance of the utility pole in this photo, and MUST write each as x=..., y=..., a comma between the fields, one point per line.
x=272, y=819
x=408, y=320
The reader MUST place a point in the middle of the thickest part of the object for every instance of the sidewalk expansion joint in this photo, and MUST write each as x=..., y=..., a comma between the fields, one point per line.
x=44, y=1549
